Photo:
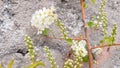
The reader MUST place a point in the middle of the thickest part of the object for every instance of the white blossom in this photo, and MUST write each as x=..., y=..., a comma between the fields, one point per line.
x=43, y=18
x=79, y=48
x=98, y=23
x=95, y=22
x=97, y=51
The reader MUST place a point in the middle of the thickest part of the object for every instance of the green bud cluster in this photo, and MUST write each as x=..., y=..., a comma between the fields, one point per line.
x=102, y=17
x=62, y=28
x=68, y=64
x=30, y=47
x=73, y=64
x=110, y=39
x=113, y=33
x=78, y=59
x=50, y=57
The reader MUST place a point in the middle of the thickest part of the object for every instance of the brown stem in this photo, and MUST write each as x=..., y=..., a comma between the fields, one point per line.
x=86, y=37
x=86, y=34
x=81, y=38
x=83, y=11
x=89, y=47
x=105, y=45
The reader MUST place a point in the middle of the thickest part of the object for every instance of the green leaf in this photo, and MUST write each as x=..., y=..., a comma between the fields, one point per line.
x=30, y=47
x=36, y=64
x=93, y=1
x=108, y=40
x=0, y=65
x=85, y=59
x=85, y=5
x=69, y=41
x=62, y=28
x=11, y=64
x=90, y=24
x=102, y=41
x=45, y=32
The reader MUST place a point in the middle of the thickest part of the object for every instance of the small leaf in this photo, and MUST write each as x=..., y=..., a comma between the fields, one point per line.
x=108, y=40
x=36, y=64
x=93, y=1
x=69, y=41
x=11, y=64
x=45, y=32
x=1, y=65
x=102, y=41
x=85, y=5
x=90, y=24
x=85, y=59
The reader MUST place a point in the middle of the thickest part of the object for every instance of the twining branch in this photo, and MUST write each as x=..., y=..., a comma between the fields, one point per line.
x=105, y=45
x=86, y=34
x=80, y=38
x=86, y=37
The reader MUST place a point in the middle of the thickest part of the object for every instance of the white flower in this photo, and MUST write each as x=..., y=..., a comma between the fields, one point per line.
x=43, y=18
x=79, y=48
x=99, y=23
x=97, y=17
x=97, y=51
x=95, y=22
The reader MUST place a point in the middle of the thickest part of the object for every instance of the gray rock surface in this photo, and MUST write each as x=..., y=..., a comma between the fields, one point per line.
x=15, y=16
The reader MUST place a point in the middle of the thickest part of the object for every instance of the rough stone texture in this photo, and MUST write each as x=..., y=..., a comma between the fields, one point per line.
x=15, y=16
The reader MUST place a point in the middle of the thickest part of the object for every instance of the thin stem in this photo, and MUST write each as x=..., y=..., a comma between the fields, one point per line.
x=105, y=45
x=86, y=34
x=83, y=11
x=81, y=38
x=89, y=47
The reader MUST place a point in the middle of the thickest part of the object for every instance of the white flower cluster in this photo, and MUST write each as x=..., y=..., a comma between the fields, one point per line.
x=43, y=18
x=79, y=48
x=96, y=51
x=97, y=23
x=101, y=19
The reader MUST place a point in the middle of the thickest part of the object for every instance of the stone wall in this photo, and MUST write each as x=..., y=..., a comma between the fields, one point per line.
x=15, y=16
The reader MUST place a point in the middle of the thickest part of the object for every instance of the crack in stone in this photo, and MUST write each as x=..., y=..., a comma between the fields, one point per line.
x=7, y=10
